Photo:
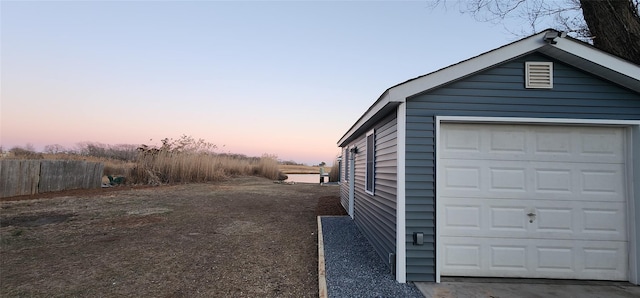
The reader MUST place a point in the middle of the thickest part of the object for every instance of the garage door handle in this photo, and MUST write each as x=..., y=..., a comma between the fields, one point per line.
x=532, y=217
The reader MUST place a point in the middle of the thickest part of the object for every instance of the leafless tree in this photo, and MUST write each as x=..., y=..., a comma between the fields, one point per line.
x=54, y=148
x=611, y=25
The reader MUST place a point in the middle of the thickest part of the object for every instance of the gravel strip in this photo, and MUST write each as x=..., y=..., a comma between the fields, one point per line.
x=352, y=266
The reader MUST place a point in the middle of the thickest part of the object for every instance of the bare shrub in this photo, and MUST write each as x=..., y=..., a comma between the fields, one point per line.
x=25, y=153
x=125, y=152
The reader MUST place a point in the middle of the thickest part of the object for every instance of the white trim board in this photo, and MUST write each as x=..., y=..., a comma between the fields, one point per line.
x=633, y=168
x=590, y=53
x=371, y=191
x=351, y=165
x=401, y=221
x=522, y=120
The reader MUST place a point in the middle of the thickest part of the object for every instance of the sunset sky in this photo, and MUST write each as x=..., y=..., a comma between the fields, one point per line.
x=283, y=78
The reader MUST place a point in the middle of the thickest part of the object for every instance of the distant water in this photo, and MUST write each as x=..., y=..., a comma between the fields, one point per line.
x=305, y=178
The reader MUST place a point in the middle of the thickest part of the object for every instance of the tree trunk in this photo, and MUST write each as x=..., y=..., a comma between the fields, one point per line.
x=615, y=27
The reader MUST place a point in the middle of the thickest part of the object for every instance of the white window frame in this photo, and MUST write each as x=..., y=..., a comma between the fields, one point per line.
x=370, y=165
x=347, y=155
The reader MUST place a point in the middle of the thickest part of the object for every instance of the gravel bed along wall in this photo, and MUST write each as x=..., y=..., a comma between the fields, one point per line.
x=353, y=269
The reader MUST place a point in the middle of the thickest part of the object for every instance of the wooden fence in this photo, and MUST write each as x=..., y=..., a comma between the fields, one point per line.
x=27, y=177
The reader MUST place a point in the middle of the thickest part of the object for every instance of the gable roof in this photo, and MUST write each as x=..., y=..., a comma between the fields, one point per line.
x=549, y=42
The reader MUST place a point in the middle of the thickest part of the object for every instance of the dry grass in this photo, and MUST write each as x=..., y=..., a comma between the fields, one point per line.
x=186, y=167
x=164, y=167
x=334, y=174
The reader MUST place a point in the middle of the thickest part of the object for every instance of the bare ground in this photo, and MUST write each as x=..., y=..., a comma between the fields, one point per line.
x=245, y=237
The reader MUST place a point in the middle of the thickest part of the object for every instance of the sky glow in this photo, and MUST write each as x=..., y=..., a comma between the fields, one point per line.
x=281, y=78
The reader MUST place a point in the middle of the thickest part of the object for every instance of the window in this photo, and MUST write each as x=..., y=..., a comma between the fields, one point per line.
x=539, y=75
x=370, y=172
x=347, y=162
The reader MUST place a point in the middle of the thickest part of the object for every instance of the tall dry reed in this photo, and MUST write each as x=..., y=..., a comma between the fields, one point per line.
x=334, y=174
x=185, y=167
x=182, y=160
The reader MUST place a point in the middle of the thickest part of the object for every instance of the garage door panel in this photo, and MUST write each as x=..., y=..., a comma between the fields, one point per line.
x=505, y=141
x=553, y=180
x=604, y=221
x=463, y=217
x=604, y=260
x=555, y=258
x=554, y=220
x=606, y=180
x=459, y=139
x=535, y=143
x=602, y=143
x=507, y=179
x=540, y=180
x=552, y=143
x=460, y=177
x=459, y=257
x=532, y=201
x=508, y=218
x=582, y=220
x=510, y=257
x=535, y=258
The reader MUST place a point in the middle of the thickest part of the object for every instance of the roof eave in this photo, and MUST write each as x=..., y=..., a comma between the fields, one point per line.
x=595, y=61
x=383, y=101
x=598, y=62
x=400, y=92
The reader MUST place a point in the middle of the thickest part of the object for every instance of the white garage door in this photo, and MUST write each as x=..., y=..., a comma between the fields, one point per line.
x=532, y=201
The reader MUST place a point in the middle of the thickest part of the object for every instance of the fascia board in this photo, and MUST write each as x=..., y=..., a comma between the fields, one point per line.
x=401, y=92
x=468, y=67
x=596, y=62
x=599, y=57
x=372, y=111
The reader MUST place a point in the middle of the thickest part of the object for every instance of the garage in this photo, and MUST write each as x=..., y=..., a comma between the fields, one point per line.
x=521, y=162
x=532, y=201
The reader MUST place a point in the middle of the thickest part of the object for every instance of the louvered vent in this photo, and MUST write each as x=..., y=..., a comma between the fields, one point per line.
x=539, y=74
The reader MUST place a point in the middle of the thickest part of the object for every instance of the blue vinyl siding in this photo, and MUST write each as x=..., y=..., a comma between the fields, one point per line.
x=375, y=215
x=496, y=92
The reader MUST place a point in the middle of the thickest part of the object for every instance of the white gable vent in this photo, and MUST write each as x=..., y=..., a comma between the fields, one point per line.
x=539, y=74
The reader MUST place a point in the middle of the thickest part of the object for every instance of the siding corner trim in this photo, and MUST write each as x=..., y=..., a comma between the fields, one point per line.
x=401, y=245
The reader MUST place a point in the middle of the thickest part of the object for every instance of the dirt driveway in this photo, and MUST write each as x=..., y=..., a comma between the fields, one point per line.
x=246, y=237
